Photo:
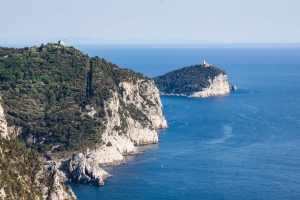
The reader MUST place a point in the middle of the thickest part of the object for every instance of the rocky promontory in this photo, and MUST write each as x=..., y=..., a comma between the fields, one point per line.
x=78, y=112
x=194, y=81
x=86, y=167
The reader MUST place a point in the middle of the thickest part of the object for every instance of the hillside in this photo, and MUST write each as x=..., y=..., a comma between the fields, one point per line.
x=22, y=175
x=187, y=80
x=47, y=91
x=78, y=112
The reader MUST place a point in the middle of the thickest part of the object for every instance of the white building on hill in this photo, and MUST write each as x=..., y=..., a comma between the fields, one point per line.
x=62, y=42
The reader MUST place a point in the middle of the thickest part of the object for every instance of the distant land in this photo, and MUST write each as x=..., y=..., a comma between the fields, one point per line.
x=30, y=41
x=194, y=81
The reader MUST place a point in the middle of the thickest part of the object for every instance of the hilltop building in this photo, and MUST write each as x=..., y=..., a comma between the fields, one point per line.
x=62, y=42
x=206, y=64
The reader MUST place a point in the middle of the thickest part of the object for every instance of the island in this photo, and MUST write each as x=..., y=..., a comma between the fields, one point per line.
x=72, y=114
x=201, y=80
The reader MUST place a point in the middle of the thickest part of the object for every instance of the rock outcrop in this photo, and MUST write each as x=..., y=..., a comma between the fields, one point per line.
x=218, y=87
x=3, y=123
x=232, y=87
x=57, y=191
x=14, y=131
x=82, y=169
x=143, y=98
x=145, y=95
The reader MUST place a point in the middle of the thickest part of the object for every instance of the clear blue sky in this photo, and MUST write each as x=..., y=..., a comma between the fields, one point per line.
x=215, y=21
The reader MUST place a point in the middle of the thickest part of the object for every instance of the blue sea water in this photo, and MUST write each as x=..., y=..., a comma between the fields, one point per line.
x=242, y=146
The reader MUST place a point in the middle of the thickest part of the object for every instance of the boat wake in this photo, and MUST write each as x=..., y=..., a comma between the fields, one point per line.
x=227, y=131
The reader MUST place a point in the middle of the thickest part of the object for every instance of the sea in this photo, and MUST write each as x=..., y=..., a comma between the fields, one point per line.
x=242, y=146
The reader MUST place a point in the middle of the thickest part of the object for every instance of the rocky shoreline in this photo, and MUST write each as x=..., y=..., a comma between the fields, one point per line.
x=218, y=86
x=85, y=167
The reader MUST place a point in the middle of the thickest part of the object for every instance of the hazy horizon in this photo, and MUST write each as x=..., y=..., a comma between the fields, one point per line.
x=150, y=21
x=22, y=42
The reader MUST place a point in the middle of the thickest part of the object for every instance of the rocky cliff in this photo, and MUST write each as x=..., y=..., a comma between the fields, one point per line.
x=3, y=122
x=124, y=130
x=80, y=168
x=142, y=102
x=57, y=191
x=218, y=86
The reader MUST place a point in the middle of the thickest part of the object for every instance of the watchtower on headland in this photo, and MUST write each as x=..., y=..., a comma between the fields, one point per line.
x=205, y=64
x=62, y=42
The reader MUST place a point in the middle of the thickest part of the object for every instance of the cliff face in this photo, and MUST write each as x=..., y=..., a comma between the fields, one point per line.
x=132, y=113
x=80, y=168
x=125, y=129
x=143, y=100
x=57, y=191
x=217, y=87
x=3, y=123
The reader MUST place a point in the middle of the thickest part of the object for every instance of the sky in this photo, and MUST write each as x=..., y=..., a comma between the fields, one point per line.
x=151, y=21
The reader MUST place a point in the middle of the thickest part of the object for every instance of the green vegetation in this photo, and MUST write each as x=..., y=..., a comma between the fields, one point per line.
x=48, y=90
x=186, y=80
x=18, y=169
x=108, y=144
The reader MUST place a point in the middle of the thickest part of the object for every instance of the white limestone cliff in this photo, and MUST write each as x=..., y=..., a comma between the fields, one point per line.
x=57, y=190
x=144, y=96
x=218, y=87
x=106, y=155
x=3, y=122
x=2, y=193
x=117, y=142
x=83, y=169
